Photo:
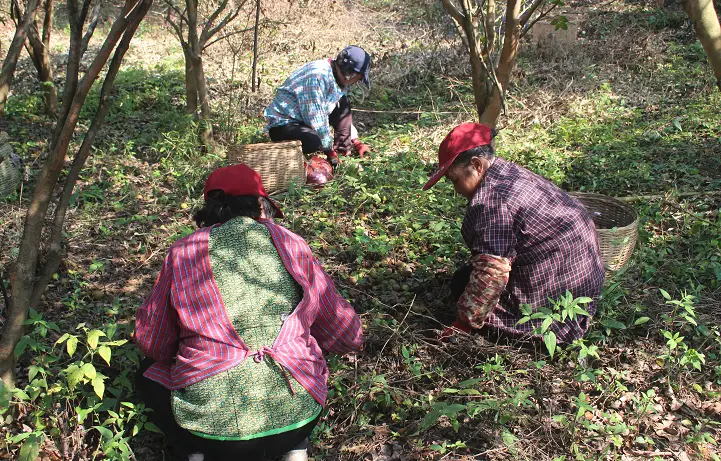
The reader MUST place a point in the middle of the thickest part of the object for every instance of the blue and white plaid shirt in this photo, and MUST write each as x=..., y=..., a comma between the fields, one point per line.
x=308, y=96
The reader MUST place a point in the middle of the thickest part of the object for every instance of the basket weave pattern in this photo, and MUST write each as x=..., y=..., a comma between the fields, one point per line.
x=9, y=167
x=616, y=226
x=278, y=163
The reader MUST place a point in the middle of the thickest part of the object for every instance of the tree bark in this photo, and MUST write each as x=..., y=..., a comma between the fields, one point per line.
x=191, y=84
x=206, y=129
x=708, y=31
x=22, y=278
x=194, y=41
x=507, y=60
x=195, y=52
x=39, y=51
x=255, y=46
x=464, y=22
x=55, y=248
x=16, y=46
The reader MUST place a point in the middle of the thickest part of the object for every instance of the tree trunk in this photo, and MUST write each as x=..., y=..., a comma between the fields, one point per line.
x=708, y=31
x=206, y=128
x=191, y=85
x=479, y=79
x=255, y=46
x=195, y=52
x=22, y=277
x=11, y=60
x=509, y=53
x=39, y=51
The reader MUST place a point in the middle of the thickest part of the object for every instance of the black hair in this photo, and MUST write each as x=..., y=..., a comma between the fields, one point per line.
x=220, y=208
x=488, y=152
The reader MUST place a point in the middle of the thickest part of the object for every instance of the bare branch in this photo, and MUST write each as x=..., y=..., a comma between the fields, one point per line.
x=541, y=16
x=525, y=16
x=181, y=14
x=215, y=14
x=207, y=34
x=84, y=11
x=224, y=36
x=90, y=31
x=507, y=59
x=177, y=28
x=55, y=251
x=490, y=29
x=256, y=26
x=48, y=22
x=16, y=46
x=16, y=12
x=453, y=11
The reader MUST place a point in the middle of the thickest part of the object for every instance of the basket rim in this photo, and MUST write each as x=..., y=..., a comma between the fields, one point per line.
x=615, y=203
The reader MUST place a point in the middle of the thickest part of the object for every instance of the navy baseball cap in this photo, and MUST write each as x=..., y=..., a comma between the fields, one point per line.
x=355, y=59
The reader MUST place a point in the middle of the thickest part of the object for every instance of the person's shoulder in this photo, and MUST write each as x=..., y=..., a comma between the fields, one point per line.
x=198, y=237
x=280, y=231
x=320, y=66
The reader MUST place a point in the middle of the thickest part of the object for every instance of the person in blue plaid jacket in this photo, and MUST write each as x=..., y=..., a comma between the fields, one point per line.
x=314, y=99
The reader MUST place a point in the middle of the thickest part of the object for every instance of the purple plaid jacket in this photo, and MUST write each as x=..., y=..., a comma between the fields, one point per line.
x=548, y=236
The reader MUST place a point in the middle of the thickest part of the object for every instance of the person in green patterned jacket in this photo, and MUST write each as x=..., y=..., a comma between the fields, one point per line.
x=235, y=329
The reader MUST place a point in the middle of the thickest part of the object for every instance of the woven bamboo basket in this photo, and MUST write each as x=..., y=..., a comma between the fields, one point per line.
x=278, y=163
x=616, y=226
x=9, y=167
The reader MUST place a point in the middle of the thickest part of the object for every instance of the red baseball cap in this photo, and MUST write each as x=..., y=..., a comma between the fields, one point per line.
x=236, y=180
x=461, y=138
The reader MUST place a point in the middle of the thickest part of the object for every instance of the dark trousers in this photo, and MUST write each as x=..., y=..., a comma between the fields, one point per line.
x=157, y=397
x=461, y=278
x=340, y=119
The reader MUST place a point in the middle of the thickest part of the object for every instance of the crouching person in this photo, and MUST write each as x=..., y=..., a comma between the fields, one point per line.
x=529, y=240
x=235, y=328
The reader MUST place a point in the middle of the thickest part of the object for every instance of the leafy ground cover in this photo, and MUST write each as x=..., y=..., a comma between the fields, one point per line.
x=629, y=111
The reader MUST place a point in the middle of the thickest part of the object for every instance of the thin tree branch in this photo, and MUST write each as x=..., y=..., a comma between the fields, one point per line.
x=215, y=14
x=256, y=25
x=181, y=14
x=71, y=80
x=13, y=54
x=224, y=36
x=84, y=11
x=541, y=16
x=205, y=35
x=4, y=290
x=90, y=31
x=55, y=251
x=453, y=11
x=526, y=15
x=47, y=23
x=490, y=24
x=178, y=30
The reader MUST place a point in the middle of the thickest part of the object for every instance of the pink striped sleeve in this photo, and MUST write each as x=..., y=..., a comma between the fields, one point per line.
x=337, y=327
x=156, y=323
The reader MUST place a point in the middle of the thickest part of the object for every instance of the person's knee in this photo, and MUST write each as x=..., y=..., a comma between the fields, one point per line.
x=312, y=144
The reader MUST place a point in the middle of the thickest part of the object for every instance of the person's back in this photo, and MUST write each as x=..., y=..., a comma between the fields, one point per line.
x=530, y=243
x=235, y=329
x=258, y=296
x=556, y=247
x=313, y=78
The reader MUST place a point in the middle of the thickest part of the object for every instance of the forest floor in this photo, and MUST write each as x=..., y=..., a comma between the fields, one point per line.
x=628, y=109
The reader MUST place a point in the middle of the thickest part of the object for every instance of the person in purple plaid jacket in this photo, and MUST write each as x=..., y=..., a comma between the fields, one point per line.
x=530, y=242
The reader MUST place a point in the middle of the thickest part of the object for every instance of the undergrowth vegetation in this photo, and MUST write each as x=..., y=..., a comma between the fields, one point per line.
x=641, y=121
